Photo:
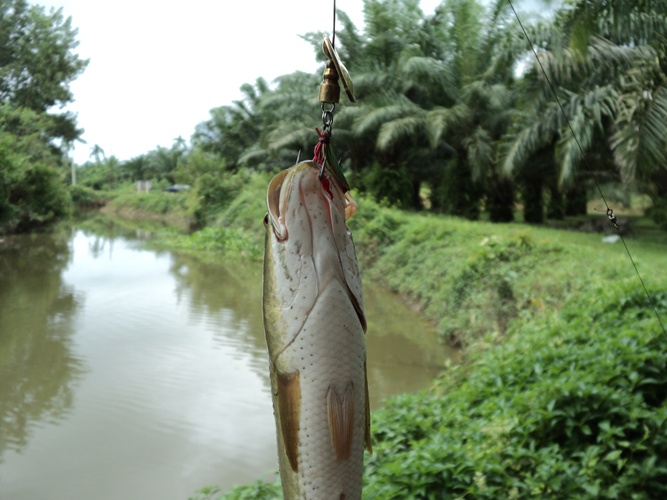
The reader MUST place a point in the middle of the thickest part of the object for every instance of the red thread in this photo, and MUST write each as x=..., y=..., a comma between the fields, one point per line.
x=319, y=147
x=326, y=184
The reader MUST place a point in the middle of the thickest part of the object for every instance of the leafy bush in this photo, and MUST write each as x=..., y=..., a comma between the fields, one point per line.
x=215, y=192
x=31, y=190
x=572, y=406
x=30, y=196
x=256, y=491
x=156, y=201
x=248, y=208
x=374, y=228
x=83, y=196
x=393, y=184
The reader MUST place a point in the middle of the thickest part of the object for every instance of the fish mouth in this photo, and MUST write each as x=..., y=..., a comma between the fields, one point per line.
x=277, y=195
x=279, y=192
x=280, y=188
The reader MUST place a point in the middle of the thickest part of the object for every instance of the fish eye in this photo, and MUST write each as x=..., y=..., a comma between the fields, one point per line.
x=266, y=220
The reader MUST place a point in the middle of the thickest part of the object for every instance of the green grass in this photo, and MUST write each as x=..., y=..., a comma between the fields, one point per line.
x=174, y=208
x=474, y=278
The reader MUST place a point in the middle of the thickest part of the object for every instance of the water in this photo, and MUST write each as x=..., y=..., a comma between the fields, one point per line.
x=131, y=373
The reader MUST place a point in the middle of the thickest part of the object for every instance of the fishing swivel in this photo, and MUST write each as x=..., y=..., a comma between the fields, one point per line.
x=334, y=71
x=329, y=96
x=612, y=218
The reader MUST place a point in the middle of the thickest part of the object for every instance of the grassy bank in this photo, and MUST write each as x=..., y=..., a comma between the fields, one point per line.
x=471, y=278
x=562, y=395
x=571, y=405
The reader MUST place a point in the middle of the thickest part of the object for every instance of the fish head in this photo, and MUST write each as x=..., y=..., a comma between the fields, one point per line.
x=308, y=244
x=290, y=186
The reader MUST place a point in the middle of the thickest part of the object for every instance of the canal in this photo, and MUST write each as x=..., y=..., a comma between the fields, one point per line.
x=128, y=372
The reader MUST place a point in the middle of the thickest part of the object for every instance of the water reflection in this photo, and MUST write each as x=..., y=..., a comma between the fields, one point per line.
x=403, y=351
x=229, y=295
x=37, y=368
x=151, y=364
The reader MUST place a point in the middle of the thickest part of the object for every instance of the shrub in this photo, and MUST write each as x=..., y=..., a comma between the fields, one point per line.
x=572, y=406
x=83, y=196
x=214, y=192
x=374, y=228
x=31, y=196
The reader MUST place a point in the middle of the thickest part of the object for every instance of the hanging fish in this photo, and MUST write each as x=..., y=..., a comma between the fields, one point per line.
x=315, y=325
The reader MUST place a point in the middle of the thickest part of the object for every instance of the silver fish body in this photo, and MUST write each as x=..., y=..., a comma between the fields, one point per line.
x=314, y=325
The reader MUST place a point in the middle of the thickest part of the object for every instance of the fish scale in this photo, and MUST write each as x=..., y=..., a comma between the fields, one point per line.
x=314, y=326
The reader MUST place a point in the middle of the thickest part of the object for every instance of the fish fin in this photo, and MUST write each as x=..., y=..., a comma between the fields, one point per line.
x=289, y=406
x=340, y=411
x=367, y=426
x=358, y=308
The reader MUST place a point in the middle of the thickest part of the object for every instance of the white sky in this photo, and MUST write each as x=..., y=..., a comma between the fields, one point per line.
x=157, y=67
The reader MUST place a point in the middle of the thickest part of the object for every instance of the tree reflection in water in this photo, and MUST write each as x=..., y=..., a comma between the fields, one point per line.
x=37, y=368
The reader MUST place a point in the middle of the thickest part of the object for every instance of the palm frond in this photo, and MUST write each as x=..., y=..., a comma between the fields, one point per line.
x=442, y=121
x=570, y=149
x=603, y=60
x=528, y=137
x=400, y=129
x=253, y=156
x=375, y=118
x=481, y=150
x=433, y=73
x=291, y=136
x=641, y=132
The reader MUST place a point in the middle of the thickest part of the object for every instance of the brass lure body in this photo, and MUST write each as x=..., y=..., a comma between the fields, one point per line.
x=315, y=325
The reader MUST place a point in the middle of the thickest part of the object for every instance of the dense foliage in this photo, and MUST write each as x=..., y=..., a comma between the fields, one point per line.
x=37, y=64
x=455, y=115
x=571, y=405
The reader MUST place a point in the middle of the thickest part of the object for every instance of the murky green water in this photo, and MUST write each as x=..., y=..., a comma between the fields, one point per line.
x=135, y=374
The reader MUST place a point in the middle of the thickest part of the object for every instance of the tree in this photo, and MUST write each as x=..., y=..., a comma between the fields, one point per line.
x=233, y=129
x=607, y=62
x=433, y=109
x=31, y=189
x=37, y=63
x=97, y=153
x=36, y=67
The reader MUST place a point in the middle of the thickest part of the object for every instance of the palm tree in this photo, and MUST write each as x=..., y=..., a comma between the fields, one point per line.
x=233, y=129
x=607, y=62
x=97, y=153
x=439, y=111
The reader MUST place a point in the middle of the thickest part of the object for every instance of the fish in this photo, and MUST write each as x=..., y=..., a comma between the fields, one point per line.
x=315, y=326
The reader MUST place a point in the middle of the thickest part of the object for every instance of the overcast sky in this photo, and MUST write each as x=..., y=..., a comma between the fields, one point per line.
x=157, y=68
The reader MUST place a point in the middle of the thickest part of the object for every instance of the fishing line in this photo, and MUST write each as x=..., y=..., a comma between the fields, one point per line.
x=610, y=212
x=333, y=32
